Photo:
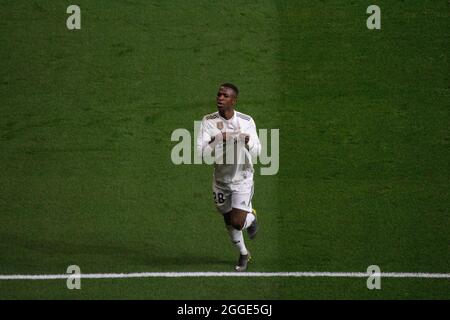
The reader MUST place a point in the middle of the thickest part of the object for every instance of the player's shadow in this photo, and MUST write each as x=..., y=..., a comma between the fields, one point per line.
x=192, y=260
x=133, y=253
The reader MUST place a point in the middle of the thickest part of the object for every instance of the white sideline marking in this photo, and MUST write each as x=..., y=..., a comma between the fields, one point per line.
x=224, y=274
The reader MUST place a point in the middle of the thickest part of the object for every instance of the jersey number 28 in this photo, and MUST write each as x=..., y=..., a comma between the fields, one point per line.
x=218, y=197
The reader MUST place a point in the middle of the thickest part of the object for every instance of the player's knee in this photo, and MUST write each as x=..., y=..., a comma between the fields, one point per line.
x=237, y=226
x=227, y=218
x=237, y=220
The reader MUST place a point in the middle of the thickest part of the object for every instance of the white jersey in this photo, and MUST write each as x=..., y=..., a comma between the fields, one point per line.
x=229, y=171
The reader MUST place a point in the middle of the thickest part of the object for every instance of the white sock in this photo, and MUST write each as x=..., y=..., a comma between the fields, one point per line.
x=237, y=238
x=248, y=221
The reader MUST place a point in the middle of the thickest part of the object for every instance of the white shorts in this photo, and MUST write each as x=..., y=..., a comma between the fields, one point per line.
x=233, y=195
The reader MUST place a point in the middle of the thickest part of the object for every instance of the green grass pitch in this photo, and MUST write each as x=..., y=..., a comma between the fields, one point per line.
x=86, y=118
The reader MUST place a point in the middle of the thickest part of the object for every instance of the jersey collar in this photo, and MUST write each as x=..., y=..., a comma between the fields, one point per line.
x=231, y=119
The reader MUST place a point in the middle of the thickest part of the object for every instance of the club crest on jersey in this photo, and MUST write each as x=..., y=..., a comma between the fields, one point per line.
x=220, y=125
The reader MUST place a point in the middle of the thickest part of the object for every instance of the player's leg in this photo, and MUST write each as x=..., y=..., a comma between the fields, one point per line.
x=236, y=235
x=243, y=216
x=242, y=219
x=236, y=218
x=237, y=238
x=222, y=199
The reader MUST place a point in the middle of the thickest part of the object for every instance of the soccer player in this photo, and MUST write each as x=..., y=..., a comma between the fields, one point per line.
x=230, y=137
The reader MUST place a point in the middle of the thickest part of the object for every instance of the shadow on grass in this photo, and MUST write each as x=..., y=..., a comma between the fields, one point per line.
x=126, y=253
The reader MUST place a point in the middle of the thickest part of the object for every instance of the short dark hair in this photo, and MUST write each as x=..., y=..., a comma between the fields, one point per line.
x=231, y=86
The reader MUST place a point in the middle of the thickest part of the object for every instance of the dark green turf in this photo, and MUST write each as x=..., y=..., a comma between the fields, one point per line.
x=217, y=288
x=86, y=118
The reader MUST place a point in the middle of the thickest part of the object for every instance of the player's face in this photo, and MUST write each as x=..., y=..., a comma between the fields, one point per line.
x=226, y=98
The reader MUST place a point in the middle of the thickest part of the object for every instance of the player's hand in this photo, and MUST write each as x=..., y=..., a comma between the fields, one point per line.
x=244, y=137
x=226, y=136
x=220, y=138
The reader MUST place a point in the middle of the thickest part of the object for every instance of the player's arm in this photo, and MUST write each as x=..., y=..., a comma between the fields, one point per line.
x=251, y=139
x=206, y=140
x=203, y=139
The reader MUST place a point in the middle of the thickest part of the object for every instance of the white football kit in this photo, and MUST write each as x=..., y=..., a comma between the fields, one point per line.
x=233, y=167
